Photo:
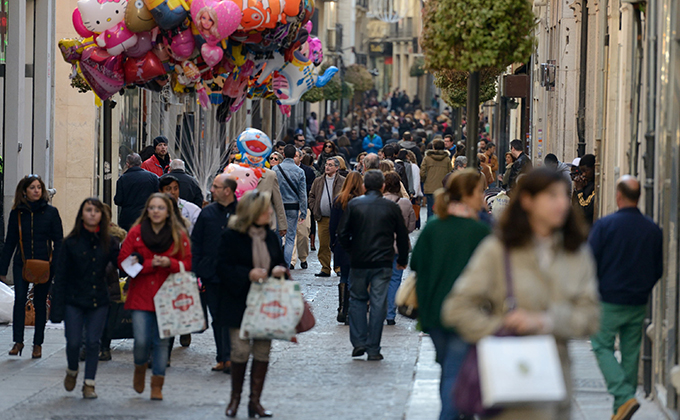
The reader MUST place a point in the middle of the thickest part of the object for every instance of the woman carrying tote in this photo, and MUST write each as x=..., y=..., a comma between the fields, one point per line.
x=35, y=227
x=159, y=242
x=80, y=294
x=249, y=252
x=552, y=272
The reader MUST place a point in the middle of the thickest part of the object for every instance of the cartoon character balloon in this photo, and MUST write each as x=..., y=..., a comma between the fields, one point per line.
x=265, y=14
x=168, y=14
x=105, y=17
x=254, y=146
x=246, y=177
x=215, y=21
x=138, y=18
x=297, y=77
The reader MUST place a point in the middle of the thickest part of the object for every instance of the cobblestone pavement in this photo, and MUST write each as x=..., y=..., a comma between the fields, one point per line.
x=315, y=379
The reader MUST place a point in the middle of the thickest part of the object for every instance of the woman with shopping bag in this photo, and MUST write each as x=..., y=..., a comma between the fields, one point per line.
x=158, y=242
x=80, y=294
x=538, y=263
x=249, y=252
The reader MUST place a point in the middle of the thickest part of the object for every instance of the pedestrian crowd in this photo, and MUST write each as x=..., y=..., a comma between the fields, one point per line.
x=496, y=233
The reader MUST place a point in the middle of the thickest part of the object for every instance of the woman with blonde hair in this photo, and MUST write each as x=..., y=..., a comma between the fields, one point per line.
x=159, y=242
x=250, y=252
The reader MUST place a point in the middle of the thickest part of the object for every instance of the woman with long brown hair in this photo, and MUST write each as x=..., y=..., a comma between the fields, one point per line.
x=329, y=150
x=552, y=273
x=353, y=187
x=34, y=227
x=159, y=242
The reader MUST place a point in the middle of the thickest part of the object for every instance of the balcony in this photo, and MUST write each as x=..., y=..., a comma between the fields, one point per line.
x=402, y=29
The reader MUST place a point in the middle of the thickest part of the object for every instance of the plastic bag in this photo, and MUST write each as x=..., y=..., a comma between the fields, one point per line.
x=274, y=309
x=6, y=303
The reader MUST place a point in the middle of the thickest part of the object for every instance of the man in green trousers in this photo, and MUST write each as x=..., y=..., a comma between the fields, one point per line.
x=628, y=249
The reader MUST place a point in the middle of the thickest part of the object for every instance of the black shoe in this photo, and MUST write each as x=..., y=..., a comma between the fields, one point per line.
x=391, y=322
x=303, y=265
x=105, y=355
x=375, y=357
x=185, y=340
x=322, y=274
x=292, y=267
x=358, y=351
x=341, y=317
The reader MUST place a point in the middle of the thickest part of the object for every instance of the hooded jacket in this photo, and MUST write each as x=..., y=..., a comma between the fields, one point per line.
x=436, y=165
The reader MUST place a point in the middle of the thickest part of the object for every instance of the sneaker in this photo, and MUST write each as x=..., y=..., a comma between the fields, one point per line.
x=626, y=411
x=303, y=265
x=375, y=357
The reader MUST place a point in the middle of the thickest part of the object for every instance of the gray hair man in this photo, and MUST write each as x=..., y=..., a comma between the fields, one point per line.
x=133, y=188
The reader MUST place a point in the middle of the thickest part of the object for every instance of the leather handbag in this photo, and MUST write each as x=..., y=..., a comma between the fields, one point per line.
x=29, y=319
x=34, y=271
x=406, y=298
x=307, y=321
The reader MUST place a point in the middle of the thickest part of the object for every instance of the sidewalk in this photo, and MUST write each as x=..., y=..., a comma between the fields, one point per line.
x=590, y=401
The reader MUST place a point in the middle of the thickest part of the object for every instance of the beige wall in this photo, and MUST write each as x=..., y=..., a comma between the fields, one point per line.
x=74, y=129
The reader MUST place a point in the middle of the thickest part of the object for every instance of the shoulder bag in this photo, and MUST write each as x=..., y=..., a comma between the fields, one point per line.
x=34, y=271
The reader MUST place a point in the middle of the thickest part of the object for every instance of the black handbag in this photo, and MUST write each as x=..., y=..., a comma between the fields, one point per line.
x=120, y=322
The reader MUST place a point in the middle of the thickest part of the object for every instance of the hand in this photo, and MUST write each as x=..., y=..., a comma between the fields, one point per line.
x=278, y=272
x=134, y=259
x=401, y=267
x=524, y=322
x=301, y=220
x=282, y=233
x=159, y=261
x=370, y=145
x=257, y=274
x=3, y=279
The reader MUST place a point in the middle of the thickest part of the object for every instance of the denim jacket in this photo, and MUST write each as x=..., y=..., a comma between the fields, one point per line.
x=297, y=178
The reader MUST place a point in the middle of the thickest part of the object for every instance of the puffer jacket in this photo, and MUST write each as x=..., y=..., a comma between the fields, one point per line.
x=81, y=279
x=435, y=166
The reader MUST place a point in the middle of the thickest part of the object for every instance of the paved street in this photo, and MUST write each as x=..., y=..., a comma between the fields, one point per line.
x=314, y=379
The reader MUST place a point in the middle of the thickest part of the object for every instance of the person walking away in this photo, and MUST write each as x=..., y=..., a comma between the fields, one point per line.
x=34, y=227
x=553, y=276
x=372, y=142
x=158, y=242
x=189, y=190
x=392, y=193
x=323, y=192
x=301, y=248
x=248, y=252
x=133, y=188
x=628, y=250
x=293, y=187
x=553, y=163
x=408, y=144
x=443, y=249
x=584, y=187
x=80, y=296
x=351, y=188
x=435, y=166
x=168, y=184
x=159, y=163
x=205, y=240
x=521, y=165
x=367, y=231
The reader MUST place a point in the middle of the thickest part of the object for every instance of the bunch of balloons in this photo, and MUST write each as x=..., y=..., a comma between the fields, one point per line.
x=224, y=50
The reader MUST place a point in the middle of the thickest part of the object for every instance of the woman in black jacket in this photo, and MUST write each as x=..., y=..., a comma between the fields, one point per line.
x=249, y=252
x=40, y=234
x=329, y=150
x=80, y=295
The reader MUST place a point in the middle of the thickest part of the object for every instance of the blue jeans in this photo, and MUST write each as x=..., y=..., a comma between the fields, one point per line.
x=145, y=330
x=395, y=281
x=451, y=351
x=368, y=332
x=94, y=321
x=292, y=217
x=430, y=205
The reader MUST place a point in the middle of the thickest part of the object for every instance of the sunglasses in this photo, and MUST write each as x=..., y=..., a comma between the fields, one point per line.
x=32, y=176
x=274, y=158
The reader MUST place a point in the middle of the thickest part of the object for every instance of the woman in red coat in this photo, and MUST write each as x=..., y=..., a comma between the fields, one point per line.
x=159, y=242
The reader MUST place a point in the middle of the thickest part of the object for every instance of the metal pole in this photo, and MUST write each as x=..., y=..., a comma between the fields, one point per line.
x=472, y=119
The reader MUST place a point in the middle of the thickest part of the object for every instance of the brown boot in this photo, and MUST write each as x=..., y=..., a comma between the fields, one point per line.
x=257, y=375
x=88, y=390
x=70, y=379
x=238, y=374
x=37, y=352
x=157, y=387
x=139, y=378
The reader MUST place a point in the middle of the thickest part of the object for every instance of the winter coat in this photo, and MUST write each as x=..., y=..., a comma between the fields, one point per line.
x=434, y=168
x=206, y=237
x=375, y=140
x=143, y=288
x=520, y=166
x=133, y=188
x=565, y=290
x=295, y=192
x=316, y=193
x=41, y=230
x=189, y=189
x=153, y=165
x=236, y=261
x=340, y=256
x=411, y=145
x=80, y=279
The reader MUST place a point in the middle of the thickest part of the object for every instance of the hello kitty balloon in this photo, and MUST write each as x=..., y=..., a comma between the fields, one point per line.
x=106, y=18
x=246, y=177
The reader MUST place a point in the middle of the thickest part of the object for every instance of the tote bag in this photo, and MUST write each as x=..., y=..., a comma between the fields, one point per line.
x=178, y=305
x=274, y=309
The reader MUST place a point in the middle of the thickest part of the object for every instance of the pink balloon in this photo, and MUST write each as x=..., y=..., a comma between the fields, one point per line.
x=79, y=25
x=215, y=20
x=142, y=46
x=103, y=71
x=212, y=54
x=182, y=46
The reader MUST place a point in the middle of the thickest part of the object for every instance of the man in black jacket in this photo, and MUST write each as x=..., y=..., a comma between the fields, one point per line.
x=205, y=242
x=522, y=163
x=367, y=231
x=133, y=188
x=189, y=189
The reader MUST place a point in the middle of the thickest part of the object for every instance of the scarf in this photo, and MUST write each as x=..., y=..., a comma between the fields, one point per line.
x=261, y=257
x=164, y=162
x=156, y=242
x=458, y=209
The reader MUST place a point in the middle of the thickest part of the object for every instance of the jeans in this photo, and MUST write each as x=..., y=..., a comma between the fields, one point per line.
x=430, y=205
x=221, y=333
x=451, y=351
x=626, y=322
x=395, y=281
x=94, y=321
x=291, y=230
x=19, y=312
x=145, y=329
x=368, y=332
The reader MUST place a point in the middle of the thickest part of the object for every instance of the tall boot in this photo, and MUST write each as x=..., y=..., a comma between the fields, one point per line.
x=342, y=311
x=139, y=378
x=345, y=305
x=257, y=375
x=157, y=387
x=238, y=375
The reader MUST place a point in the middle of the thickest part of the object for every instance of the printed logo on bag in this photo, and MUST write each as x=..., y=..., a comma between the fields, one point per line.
x=273, y=309
x=183, y=302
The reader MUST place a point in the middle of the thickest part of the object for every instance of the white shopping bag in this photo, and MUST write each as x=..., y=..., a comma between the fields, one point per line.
x=6, y=303
x=520, y=370
x=274, y=308
x=178, y=305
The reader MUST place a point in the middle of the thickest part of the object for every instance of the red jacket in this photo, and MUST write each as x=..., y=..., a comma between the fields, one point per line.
x=153, y=165
x=318, y=149
x=143, y=288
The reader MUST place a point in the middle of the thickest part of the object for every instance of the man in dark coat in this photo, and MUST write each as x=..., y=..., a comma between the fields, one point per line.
x=133, y=188
x=189, y=189
x=522, y=163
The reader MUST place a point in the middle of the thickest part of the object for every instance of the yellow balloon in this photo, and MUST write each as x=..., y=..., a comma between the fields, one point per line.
x=138, y=18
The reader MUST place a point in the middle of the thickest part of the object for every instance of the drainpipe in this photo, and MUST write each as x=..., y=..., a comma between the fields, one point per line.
x=583, y=77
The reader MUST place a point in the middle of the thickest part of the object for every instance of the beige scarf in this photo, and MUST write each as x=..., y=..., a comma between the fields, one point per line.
x=261, y=257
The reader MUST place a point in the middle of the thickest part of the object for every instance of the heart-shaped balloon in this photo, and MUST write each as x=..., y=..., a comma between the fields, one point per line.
x=141, y=70
x=212, y=54
x=103, y=71
x=215, y=20
x=142, y=46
